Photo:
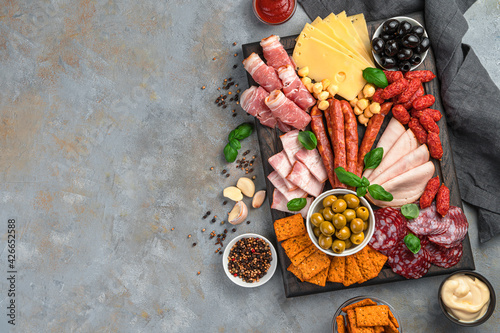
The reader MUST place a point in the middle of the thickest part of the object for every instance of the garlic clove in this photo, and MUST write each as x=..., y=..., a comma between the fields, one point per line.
x=258, y=199
x=246, y=186
x=238, y=214
x=233, y=193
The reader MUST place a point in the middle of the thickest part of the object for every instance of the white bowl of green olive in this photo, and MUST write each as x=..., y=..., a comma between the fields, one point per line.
x=340, y=223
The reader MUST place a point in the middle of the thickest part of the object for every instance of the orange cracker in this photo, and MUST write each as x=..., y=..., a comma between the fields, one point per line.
x=294, y=245
x=341, y=328
x=378, y=259
x=393, y=319
x=365, y=302
x=377, y=315
x=337, y=270
x=353, y=327
x=314, y=264
x=320, y=278
x=391, y=328
x=299, y=257
x=352, y=273
x=379, y=329
x=295, y=271
x=365, y=265
x=289, y=227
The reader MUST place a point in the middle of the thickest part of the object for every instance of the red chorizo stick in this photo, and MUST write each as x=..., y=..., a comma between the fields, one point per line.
x=431, y=189
x=324, y=147
x=443, y=200
x=371, y=132
x=351, y=137
x=338, y=138
x=328, y=122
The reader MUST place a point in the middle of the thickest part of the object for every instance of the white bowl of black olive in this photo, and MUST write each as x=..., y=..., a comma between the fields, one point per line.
x=400, y=43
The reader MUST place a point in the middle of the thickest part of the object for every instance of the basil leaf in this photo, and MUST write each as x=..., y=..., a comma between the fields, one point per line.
x=378, y=193
x=230, y=153
x=296, y=204
x=375, y=76
x=243, y=131
x=347, y=177
x=365, y=182
x=231, y=135
x=308, y=140
x=235, y=144
x=410, y=211
x=373, y=158
x=361, y=191
x=412, y=243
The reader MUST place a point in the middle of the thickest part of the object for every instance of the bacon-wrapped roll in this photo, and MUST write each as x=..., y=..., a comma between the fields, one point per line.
x=264, y=75
x=253, y=102
x=294, y=89
x=275, y=54
x=287, y=111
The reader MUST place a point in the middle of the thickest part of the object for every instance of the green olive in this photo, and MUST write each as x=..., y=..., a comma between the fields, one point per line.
x=339, y=221
x=362, y=213
x=348, y=243
x=343, y=233
x=327, y=228
x=365, y=225
x=328, y=213
x=316, y=219
x=328, y=201
x=349, y=214
x=316, y=231
x=357, y=225
x=338, y=246
x=357, y=238
x=341, y=196
x=351, y=200
x=339, y=206
x=320, y=211
x=325, y=241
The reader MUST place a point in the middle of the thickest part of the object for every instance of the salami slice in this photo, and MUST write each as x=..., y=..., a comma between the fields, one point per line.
x=390, y=228
x=407, y=264
x=457, y=230
x=444, y=257
x=429, y=222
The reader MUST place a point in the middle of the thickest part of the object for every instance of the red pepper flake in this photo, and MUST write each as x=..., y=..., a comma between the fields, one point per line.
x=235, y=274
x=253, y=250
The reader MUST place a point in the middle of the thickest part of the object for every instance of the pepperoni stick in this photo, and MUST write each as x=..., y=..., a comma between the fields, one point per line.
x=324, y=147
x=338, y=138
x=351, y=137
x=431, y=189
x=443, y=200
x=371, y=132
x=328, y=122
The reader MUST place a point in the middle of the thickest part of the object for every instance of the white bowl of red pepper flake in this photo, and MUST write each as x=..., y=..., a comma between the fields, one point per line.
x=250, y=260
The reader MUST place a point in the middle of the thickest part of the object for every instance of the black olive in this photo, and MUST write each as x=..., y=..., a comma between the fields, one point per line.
x=391, y=48
x=423, y=46
x=404, y=66
x=386, y=37
x=404, y=54
x=404, y=28
x=378, y=45
x=410, y=40
x=388, y=62
x=415, y=59
x=418, y=30
x=390, y=26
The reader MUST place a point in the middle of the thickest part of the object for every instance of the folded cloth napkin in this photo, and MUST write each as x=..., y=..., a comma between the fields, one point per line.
x=471, y=99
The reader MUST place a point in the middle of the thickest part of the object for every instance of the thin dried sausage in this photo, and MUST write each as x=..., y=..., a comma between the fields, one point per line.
x=338, y=138
x=351, y=137
x=324, y=147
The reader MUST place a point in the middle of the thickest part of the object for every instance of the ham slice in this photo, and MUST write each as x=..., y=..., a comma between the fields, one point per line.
x=294, y=89
x=279, y=203
x=275, y=54
x=282, y=166
x=264, y=75
x=391, y=134
x=279, y=184
x=291, y=144
x=287, y=111
x=252, y=101
x=312, y=160
x=405, y=144
x=301, y=177
x=407, y=187
x=411, y=160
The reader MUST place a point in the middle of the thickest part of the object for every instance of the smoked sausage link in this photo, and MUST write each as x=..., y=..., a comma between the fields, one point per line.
x=351, y=137
x=443, y=200
x=338, y=138
x=324, y=147
x=431, y=189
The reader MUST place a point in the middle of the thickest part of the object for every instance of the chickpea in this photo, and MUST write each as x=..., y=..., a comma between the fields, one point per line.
x=375, y=108
x=353, y=102
x=309, y=87
x=362, y=103
x=323, y=105
x=303, y=72
x=318, y=87
x=367, y=113
x=357, y=111
x=363, y=120
x=368, y=90
x=332, y=89
x=325, y=83
x=360, y=95
x=323, y=95
x=306, y=80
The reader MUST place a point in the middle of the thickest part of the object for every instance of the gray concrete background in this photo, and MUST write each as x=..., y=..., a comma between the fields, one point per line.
x=106, y=144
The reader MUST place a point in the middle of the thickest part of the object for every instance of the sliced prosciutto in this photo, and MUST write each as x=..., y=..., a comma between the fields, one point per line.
x=252, y=101
x=282, y=166
x=456, y=232
x=264, y=75
x=294, y=89
x=280, y=185
x=275, y=54
x=301, y=177
x=287, y=111
x=312, y=160
x=291, y=144
x=279, y=203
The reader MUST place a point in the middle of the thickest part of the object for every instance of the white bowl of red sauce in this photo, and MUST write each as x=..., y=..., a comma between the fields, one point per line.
x=274, y=12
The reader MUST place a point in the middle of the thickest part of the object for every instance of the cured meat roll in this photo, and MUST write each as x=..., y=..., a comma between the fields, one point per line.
x=294, y=89
x=287, y=111
x=275, y=54
x=264, y=75
x=252, y=101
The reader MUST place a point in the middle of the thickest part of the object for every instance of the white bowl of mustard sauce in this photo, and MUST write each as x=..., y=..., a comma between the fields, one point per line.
x=467, y=298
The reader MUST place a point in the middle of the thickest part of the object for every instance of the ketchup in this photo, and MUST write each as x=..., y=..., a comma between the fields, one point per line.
x=274, y=11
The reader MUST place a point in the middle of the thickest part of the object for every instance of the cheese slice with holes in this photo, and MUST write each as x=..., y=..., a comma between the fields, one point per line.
x=359, y=23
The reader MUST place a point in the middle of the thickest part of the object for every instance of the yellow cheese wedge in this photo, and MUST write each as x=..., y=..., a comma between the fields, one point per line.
x=353, y=32
x=359, y=23
x=325, y=62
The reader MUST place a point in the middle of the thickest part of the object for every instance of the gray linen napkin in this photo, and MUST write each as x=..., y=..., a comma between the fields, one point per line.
x=471, y=99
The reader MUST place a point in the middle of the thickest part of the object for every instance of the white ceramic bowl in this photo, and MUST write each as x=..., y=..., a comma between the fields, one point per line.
x=239, y=281
x=377, y=33
x=318, y=204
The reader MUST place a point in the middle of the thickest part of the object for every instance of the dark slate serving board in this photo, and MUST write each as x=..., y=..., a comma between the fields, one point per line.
x=270, y=144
